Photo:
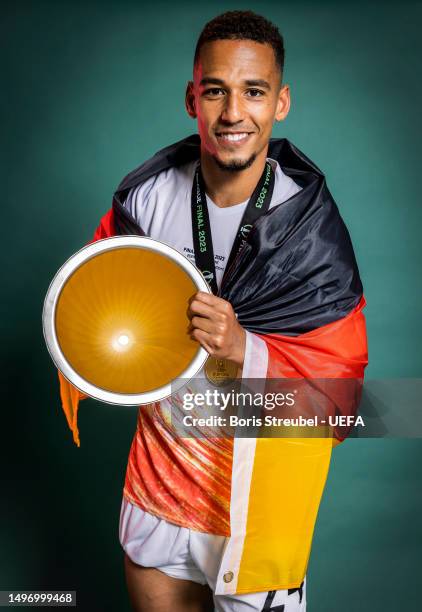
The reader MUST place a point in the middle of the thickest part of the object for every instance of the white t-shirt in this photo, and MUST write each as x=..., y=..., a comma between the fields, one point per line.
x=162, y=207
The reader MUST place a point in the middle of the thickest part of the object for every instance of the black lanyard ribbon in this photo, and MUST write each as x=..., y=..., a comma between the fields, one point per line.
x=258, y=205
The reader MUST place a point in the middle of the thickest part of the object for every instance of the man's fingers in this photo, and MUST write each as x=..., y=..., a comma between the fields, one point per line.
x=209, y=306
x=202, y=296
x=203, y=338
x=206, y=298
x=202, y=323
x=197, y=307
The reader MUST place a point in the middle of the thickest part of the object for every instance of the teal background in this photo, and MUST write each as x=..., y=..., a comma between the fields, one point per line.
x=90, y=90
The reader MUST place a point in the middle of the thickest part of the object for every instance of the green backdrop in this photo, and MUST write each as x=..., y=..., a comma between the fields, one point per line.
x=91, y=89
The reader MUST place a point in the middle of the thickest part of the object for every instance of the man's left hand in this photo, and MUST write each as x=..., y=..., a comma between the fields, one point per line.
x=214, y=325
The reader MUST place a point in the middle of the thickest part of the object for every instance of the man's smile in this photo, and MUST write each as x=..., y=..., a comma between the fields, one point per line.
x=232, y=138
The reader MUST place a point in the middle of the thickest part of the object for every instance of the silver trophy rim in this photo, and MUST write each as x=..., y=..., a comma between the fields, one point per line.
x=49, y=313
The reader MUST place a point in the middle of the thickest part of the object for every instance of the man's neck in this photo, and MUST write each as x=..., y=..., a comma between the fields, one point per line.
x=228, y=188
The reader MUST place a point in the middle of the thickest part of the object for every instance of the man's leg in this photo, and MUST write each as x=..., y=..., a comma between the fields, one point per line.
x=153, y=591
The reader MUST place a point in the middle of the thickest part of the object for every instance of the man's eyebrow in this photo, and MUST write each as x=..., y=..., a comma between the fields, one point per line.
x=211, y=81
x=248, y=82
x=258, y=83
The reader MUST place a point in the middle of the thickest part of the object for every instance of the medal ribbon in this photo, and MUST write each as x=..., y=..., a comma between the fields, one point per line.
x=258, y=205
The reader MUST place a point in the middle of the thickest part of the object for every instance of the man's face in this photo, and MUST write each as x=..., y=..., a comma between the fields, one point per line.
x=236, y=95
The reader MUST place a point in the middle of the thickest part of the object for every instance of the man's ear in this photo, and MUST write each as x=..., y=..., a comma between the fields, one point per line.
x=190, y=100
x=283, y=103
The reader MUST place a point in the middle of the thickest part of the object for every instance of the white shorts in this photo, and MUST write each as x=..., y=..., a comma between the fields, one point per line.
x=192, y=555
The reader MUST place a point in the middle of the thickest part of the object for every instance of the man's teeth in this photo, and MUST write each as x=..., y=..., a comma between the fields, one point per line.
x=234, y=137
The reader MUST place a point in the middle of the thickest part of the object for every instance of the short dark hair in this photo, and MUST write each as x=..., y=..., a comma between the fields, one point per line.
x=243, y=25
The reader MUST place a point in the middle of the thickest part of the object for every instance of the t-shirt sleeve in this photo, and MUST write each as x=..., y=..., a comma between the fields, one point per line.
x=138, y=199
x=285, y=187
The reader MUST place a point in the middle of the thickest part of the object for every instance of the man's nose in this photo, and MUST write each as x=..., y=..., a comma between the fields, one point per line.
x=232, y=111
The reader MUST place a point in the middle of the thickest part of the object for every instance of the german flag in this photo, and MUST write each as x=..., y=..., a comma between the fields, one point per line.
x=296, y=285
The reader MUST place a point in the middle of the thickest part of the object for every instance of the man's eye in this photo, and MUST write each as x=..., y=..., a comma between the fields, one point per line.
x=214, y=91
x=255, y=93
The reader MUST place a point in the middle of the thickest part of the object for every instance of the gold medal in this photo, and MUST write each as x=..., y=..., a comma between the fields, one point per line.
x=220, y=372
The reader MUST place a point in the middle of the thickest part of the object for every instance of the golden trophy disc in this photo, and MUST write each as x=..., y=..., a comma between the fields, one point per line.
x=115, y=320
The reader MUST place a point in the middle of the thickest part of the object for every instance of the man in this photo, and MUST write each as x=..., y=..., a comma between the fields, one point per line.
x=237, y=516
